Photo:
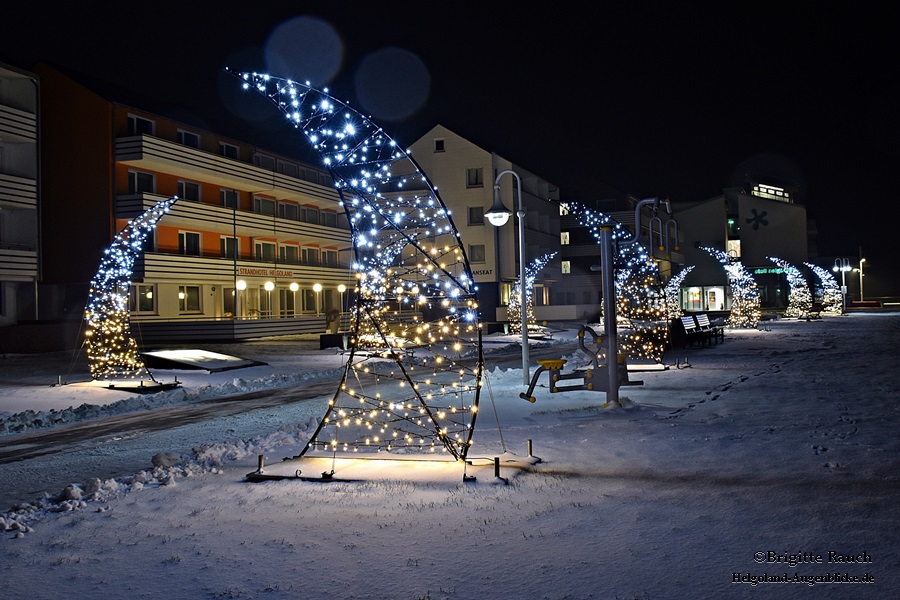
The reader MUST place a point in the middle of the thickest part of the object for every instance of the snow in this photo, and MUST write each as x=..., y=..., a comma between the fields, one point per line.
x=779, y=443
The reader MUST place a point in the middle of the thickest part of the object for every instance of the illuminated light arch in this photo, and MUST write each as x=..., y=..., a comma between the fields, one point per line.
x=828, y=292
x=745, y=306
x=799, y=298
x=111, y=349
x=673, y=305
x=513, y=312
x=640, y=298
x=413, y=378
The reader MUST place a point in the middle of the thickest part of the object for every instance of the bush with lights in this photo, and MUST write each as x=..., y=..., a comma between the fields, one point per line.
x=799, y=298
x=745, y=306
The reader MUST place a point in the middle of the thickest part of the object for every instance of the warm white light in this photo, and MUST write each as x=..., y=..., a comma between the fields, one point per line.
x=342, y=288
x=269, y=286
x=241, y=285
x=497, y=219
x=294, y=287
x=317, y=287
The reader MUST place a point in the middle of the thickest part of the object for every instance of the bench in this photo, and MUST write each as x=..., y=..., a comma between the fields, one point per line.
x=814, y=312
x=717, y=332
x=693, y=334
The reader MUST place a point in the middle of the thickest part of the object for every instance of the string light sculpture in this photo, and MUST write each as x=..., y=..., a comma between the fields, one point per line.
x=640, y=299
x=799, y=298
x=673, y=287
x=745, y=305
x=414, y=373
x=111, y=349
x=513, y=311
x=828, y=290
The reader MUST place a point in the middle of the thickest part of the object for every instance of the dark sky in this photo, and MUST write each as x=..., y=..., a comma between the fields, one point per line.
x=653, y=99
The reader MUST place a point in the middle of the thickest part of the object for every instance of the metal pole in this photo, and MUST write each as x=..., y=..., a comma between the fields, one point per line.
x=861, y=297
x=609, y=314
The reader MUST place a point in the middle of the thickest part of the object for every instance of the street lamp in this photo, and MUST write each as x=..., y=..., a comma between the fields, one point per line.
x=317, y=288
x=341, y=289
x=842, y=265
x=293, y=287
x=497, y=216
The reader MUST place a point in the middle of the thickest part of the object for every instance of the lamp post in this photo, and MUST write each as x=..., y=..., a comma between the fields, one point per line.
x=269, y=287
x=842, y=265
x=861, y=297
x=497, y=216
x=317, y=288
x=241, y=285
x=293, y=287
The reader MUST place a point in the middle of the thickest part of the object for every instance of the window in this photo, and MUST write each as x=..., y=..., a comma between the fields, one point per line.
x=563, y=209
x=189, y=243
x=189, y=298
x=286, y=303
x=229, y=198
x=309, y=214
x=140, y=126
x=228, y=246
x=475, y=177
x=264, y=206
x=188, y=139
x=564, y=238
x=566, y=267
x=438, y=144
x=289, y=210
x=309, y=255
x=329, y=258
x=140, y=298
x=141, y=183
x=289, y=169
x=309, y=301
x=263, y=161
x=264, y=251
x=290, y=254
x=476, y=215
x=229, y=150
x=476, y=253
x=329, y=219
x=189, y=190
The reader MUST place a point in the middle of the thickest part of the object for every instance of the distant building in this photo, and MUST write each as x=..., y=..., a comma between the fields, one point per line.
x=19, y=195
x=750, y=227
x=257, y=244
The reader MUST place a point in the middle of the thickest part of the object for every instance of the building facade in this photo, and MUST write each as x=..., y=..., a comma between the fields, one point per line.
x=19, y=195
x=257, y=243
x=464, y=175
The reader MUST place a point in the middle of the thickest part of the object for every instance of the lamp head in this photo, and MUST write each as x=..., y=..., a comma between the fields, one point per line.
x=499, y=214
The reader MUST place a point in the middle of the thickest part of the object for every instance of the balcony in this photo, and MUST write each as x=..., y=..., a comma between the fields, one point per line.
x=17, y=125
x=158, y=266
x=155, y=154
x=18, y=263
x=208, y=217
x=17, y=192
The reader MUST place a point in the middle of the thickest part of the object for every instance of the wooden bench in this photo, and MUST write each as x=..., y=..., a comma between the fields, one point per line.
x=717, y=332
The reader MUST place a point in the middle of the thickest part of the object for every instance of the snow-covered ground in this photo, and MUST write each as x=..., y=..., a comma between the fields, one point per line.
x=772, y=455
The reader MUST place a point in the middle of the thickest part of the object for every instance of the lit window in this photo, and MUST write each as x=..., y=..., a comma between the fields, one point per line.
x=189, y=298
x=141, y=299
x=566, y=267
x=564, y=238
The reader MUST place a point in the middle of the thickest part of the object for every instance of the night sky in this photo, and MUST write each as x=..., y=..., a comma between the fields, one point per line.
x=649, y=99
